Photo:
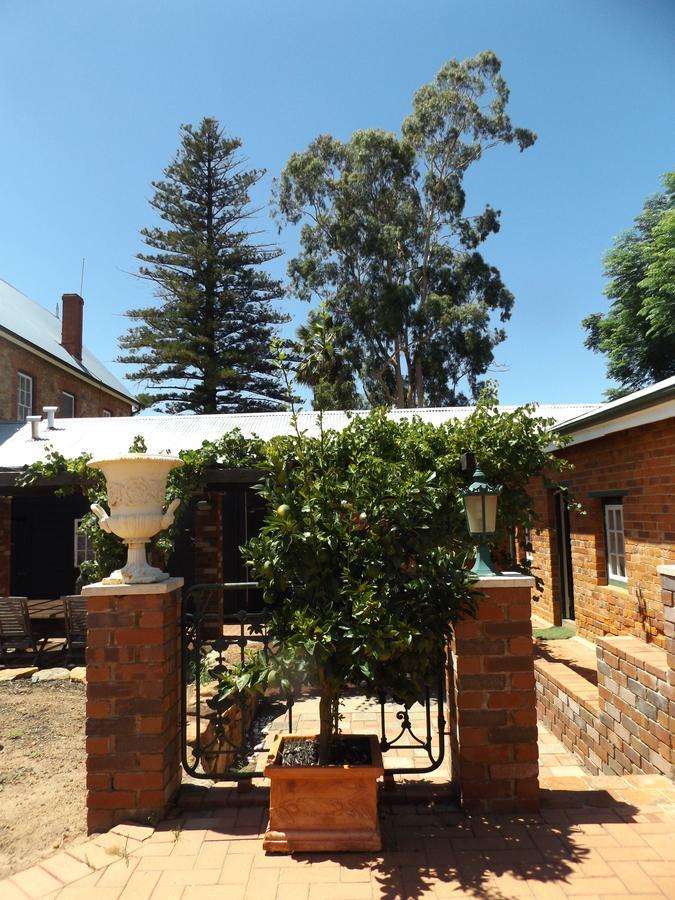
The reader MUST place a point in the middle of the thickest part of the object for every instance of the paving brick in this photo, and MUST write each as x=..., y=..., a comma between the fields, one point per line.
x=36, y=881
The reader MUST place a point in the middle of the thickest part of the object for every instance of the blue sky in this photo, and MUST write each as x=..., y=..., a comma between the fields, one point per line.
x=92, y=96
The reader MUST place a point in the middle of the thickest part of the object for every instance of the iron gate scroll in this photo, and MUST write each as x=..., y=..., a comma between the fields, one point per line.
x=223, y=739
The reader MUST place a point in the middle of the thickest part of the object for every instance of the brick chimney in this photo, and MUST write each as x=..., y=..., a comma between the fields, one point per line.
x=71, y=324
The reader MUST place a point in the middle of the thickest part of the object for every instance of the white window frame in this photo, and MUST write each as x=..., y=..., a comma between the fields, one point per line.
x=72, y=397
x=24, y=391
x=82, y=548
x=107, y=414
x=615, y=544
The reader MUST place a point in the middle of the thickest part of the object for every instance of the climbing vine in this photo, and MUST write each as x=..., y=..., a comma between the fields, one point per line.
x=232, y=451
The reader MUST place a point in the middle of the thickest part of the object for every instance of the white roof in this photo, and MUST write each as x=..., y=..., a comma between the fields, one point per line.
x=31, y=322
x=106, y=436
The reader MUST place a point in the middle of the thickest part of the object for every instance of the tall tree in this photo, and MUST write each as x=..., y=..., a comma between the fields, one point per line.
x=206, y=346
x=387, y=245
x=321, y=365
x=638, y=332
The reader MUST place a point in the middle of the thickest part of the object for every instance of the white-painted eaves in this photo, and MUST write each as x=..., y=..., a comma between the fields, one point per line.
x=652, y=404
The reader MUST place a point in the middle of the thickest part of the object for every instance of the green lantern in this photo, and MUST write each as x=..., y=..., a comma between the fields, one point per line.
x=480, y=506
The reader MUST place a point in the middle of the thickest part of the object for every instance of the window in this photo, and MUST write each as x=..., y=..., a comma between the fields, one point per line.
x=81, y=546
x=24, y=405
x=107, y=414
x=614, y=543
x=67, y=405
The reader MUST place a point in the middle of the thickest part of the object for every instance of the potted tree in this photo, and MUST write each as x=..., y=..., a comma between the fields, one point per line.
x=362, y=562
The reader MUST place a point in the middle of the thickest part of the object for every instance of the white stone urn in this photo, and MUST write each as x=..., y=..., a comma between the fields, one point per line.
x=136, y=488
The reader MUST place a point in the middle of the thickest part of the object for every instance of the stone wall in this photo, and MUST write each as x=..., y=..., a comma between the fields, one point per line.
x=627, y=725
x=571, y=712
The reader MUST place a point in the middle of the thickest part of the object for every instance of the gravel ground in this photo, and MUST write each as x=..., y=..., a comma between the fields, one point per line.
x=42, y=771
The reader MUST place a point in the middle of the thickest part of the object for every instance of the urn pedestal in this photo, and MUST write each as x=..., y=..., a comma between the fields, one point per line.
x=136, y=488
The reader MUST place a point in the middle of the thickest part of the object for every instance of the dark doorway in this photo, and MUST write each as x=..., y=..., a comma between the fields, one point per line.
x=43, y=545
x=243, y=517
x=182, y=560
x=566, y=580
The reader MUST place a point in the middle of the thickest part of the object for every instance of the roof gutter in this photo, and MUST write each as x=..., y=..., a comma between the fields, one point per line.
x=55, y=361
x=623, y=408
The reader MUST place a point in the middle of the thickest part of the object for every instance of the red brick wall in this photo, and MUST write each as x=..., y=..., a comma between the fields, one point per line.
x=133, y=701
x=493, y=727
x=48, y=383
x=641, y=461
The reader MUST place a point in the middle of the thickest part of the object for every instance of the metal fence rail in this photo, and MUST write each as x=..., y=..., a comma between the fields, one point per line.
x=219, y=735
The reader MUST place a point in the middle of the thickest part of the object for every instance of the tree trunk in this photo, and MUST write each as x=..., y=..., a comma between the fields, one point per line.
x=419, y=380
x=326, y=720
x=400, y=391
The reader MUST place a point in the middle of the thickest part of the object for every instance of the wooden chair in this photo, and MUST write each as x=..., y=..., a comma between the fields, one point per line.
x=15, y=628
x=75, y=618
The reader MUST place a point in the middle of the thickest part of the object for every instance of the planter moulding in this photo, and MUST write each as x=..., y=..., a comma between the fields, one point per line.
x=322, y=808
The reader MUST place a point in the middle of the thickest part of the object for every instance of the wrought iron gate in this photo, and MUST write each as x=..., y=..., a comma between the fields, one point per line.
x=223, y=738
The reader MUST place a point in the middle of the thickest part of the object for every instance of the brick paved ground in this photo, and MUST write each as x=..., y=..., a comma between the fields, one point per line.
x=596, y=837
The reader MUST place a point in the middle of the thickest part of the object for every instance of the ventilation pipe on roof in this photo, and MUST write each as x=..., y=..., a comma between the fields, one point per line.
x=50, y=412
x=34, y=426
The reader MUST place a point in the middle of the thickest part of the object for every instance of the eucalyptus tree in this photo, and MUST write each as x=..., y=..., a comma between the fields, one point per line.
x=387, y=243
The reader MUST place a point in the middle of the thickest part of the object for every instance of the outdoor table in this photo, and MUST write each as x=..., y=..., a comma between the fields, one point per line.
x=46, y=617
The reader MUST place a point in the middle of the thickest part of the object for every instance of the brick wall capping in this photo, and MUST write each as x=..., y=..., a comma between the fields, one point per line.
x=122, y=590
x=631, y=649
x=667, y=574
x=505, y=580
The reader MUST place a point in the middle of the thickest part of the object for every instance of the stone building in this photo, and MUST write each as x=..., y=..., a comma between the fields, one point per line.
x=43, y=362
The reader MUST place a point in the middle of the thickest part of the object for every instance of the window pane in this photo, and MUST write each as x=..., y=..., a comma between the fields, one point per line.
x=616, y=553
x=67, y=405
x=24, y=397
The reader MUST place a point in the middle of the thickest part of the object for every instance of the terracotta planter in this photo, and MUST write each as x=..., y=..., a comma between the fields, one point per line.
x=322, y=808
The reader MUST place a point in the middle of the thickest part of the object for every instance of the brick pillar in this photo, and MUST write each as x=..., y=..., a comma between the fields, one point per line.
x=133, y=701
x=493, y=737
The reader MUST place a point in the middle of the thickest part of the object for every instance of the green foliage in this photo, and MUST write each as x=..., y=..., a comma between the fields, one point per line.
x=109, y=551
x=232, y=451
x=205, y=346
x=388, y=246
x=138, y=445
x=638, y=332
x=323, y=366
x=363, y=556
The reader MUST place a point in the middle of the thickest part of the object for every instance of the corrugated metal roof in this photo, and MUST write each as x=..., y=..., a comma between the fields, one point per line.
x=99, y=437
x=7, y=429
x=33, y=323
